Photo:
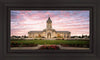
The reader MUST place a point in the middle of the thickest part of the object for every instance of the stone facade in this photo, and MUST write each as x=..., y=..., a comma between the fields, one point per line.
x=49, y=32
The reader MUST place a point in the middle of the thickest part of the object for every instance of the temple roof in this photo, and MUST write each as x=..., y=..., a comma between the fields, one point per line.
x=63, y=31
x=35, y=32
x=49, y=20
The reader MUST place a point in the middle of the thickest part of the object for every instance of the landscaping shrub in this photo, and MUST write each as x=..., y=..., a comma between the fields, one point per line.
x=22, y=44
x=15, y=44
x=73, y=43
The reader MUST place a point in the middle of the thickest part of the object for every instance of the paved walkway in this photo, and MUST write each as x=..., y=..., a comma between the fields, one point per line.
x=37, y=47
x=72, y=48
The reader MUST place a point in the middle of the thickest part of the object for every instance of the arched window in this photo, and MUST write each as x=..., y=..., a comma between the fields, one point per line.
x=58, y=35
x=49, y=35
x=39, y=35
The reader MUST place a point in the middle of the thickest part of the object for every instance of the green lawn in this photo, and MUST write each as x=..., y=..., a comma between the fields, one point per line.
x=50, y=42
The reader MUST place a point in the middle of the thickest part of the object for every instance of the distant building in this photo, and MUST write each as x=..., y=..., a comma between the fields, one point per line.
x=49, y=32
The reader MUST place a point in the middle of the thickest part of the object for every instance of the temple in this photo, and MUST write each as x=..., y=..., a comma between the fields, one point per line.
x=49, y=32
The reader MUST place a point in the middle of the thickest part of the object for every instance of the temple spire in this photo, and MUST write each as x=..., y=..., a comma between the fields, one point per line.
x=49, y=20
x=49, y=23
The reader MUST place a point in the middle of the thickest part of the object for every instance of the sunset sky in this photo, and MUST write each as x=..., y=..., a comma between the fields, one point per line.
x=75, y=21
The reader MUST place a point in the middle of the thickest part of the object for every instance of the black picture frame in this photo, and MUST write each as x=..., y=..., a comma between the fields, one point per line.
x=6, y=54
x=90, y=9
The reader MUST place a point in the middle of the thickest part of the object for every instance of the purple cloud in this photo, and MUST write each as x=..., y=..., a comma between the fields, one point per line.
x=75, y=21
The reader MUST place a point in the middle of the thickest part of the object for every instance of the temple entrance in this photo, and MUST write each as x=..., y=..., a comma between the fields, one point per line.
x=49, y=35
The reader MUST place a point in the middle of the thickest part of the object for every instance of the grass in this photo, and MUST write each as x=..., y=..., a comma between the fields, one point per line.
x=51, y=42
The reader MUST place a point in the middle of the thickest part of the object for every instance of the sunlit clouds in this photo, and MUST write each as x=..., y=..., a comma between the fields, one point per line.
x=75, y=21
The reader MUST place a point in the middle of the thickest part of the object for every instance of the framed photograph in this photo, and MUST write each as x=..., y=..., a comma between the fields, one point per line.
x=50, y=29
x=55, y=28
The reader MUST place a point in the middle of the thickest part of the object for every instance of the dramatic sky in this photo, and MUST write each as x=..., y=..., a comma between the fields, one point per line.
x=75, y=21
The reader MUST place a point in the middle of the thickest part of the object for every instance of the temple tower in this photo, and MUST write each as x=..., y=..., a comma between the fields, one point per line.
x=49, y=23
